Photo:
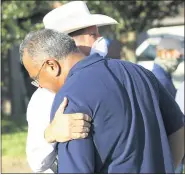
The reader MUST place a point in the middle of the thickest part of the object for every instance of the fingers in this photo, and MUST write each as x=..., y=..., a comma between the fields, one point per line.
x=82, y=123
x=80, y=116
x=80, y=129
x=63, y=105
x=79, y=135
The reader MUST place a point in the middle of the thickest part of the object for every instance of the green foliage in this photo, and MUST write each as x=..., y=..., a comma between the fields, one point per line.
x=14, y=137
x=9, y=126
x=14, y=144
x=135, y=15
x=20, y=17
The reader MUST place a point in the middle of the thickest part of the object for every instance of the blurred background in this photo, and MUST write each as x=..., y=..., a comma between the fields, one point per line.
x=141, y=25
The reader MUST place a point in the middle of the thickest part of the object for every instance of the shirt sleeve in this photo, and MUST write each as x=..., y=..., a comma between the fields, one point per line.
x=76, y=156
x=40, y=154
x=172, y=116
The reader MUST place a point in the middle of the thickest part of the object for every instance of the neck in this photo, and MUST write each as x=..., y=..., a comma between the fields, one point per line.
x=68, y=63
x=72, y=59
x=85, y=43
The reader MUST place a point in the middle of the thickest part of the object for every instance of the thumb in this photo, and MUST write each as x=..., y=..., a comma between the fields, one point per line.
x=63, y=105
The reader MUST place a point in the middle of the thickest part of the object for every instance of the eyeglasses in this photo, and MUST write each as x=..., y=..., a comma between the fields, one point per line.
x=35, y=81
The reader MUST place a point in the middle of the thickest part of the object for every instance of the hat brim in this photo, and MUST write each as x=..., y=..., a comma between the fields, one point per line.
x=73, y=24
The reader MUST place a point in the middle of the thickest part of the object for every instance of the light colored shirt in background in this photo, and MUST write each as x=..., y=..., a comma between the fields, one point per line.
x=41, y=154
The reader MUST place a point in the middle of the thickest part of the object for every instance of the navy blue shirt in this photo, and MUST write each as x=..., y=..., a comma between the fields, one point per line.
x=164, y=78
x=132, y=119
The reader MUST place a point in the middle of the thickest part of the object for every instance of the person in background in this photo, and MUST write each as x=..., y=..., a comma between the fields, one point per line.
x=74, y=19
x=133, y=126
x=169, y=52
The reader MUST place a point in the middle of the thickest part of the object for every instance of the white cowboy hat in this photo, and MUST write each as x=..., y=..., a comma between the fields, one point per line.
x=74, y=16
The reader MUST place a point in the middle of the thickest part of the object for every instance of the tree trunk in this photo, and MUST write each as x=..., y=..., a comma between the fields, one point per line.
x=17, y=86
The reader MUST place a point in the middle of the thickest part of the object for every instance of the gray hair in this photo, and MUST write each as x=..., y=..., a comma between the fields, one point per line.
x=48, y=43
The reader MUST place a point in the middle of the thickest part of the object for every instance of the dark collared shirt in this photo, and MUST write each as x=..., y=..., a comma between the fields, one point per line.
x=165, y=79
x=132, y=119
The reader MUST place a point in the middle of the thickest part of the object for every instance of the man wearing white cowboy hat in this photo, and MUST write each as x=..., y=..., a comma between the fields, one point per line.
x=74, y=19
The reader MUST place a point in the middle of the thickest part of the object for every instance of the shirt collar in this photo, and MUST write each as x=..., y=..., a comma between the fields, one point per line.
x=87, y=61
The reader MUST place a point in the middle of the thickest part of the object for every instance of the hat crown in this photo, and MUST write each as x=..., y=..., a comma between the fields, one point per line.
x=70, y=10
x=74, y=16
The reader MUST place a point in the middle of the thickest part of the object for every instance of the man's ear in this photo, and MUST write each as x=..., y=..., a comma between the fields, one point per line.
x=53, y=67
